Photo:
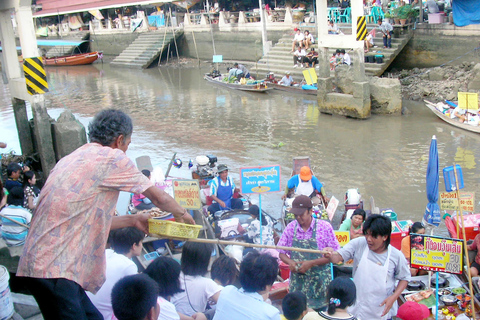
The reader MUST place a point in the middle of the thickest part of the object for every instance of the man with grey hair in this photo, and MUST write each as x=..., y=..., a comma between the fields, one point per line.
x=64, y=252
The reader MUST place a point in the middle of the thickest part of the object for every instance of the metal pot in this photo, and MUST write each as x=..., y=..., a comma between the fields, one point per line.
x=448, y=300
x=442, y=282
x=415, y=285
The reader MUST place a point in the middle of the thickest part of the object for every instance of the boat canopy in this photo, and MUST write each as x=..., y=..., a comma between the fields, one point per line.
x=59, y=43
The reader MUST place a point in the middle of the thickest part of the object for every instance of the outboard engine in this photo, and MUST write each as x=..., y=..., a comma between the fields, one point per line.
x=212, y=160
x=204, y=168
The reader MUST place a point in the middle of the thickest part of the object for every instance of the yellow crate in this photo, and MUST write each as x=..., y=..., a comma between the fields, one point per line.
x=173, y=229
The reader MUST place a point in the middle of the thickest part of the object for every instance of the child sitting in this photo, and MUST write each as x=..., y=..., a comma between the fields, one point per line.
x=294, y=307
x=135, y=297
x=126, y=243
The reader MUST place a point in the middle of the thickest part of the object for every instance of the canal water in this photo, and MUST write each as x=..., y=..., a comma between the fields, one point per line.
x=175, y=110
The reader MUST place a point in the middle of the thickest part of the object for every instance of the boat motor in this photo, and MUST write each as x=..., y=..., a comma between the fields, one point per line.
x=212, y=160
x=270, y=76
x=204, y=169
x=352, y=197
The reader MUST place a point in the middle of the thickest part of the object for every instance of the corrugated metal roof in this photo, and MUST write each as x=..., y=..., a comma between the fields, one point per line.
x=54, y=7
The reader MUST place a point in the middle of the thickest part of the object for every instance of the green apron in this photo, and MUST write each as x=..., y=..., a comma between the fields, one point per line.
x=315, y=281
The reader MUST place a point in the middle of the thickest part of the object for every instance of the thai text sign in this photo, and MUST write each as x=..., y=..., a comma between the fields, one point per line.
x=436, y=253
x=260, y=179
x=448, y=201
x=187, y=194
x=343, y=237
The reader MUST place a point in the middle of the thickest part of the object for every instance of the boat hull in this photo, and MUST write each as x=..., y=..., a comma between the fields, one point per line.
x=236, y=86
x=453, y=122
x=293, y=89
x=74, y=60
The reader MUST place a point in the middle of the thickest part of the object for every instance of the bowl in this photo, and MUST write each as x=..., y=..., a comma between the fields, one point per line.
x=459, y=290
x=444, y=292
x=462, y=297
x=448, y=300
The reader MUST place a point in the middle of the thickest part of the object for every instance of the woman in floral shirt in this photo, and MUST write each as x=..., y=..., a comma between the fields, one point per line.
x=31, y=191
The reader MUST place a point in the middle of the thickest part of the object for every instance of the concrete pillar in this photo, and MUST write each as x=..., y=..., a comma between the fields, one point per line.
x=26, y=32
x=203, y=20
x=68, y=134
x=288, y=16
x=358, y=57
x=322, y=13
x=23, y=127
x=7, y=37
x=109, y=24
x=242, y=19
x=90, y=25
x=222, y=20
x=187, y=21
x=43, y=134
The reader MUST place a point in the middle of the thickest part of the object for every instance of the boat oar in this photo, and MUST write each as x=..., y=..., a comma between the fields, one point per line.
x=251, y=245
x=19, y=223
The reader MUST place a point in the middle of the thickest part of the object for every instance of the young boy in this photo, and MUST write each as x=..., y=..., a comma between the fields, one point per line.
x=294, y=307
x=126, y=243
x=135, y=297
x=13, y=173
x=13, y=233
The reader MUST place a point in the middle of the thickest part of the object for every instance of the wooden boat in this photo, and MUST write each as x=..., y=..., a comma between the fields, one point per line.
x=293, y=89
x=73, y=60
x=453, y=122
x=259, y=87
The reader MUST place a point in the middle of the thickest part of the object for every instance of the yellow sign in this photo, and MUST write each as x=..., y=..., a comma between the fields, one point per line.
x=436, y=254
x=310, y=76
x=343, y=237
x=187, y=194
x=35, y=76
x=260, y=189
x=468, y=100
x=448, y=201
x=361, y=28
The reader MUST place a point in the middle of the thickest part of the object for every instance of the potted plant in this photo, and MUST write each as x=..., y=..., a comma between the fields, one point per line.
x=388, y=17
x=404, y=12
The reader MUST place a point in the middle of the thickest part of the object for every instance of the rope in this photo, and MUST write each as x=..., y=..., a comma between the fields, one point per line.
x=416, y=75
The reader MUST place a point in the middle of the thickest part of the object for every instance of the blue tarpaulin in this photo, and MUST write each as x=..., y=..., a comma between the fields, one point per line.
x=466, y=12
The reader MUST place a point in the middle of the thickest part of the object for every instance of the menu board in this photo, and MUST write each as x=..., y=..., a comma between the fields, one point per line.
x=187, y=194
x=436, y=253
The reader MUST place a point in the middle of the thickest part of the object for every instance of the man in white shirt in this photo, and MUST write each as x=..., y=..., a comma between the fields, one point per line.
x=287, y=79
x=346, y=57
x=333, y=28
x=297, y=39
x=299, y=57
x=387, y=31
x=257, y=274
x=126, y=243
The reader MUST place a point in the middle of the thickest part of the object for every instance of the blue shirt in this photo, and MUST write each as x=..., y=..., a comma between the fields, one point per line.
x=214, y=185
x=293, y=183
x=236, y=304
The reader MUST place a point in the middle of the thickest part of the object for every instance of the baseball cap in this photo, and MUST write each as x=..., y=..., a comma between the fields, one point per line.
x=305, y=173
x=300, y=204
x=413, y=311
x=222, y=167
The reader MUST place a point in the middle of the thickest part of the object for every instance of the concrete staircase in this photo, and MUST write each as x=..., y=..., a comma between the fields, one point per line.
x=146, y=49
x=279, y=59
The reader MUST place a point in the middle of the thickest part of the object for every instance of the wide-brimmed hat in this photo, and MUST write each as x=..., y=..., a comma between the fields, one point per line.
x=287, y=72
x=221, y=168
x=305, y=173
x=413, y=311
x=300, y=204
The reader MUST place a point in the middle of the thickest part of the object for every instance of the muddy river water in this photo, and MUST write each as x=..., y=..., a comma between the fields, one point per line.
x=175, y=110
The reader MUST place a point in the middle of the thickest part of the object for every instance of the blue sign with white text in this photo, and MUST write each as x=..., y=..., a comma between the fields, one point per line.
x=260, y=179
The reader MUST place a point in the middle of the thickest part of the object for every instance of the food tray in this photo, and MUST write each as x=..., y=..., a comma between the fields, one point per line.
x=172, y=229
x=429, y=302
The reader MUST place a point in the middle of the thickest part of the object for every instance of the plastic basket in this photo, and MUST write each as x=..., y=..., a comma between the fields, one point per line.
x=173, y=229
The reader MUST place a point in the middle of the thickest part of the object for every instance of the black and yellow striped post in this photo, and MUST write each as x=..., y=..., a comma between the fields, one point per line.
x=361, y=28
x=35, y=76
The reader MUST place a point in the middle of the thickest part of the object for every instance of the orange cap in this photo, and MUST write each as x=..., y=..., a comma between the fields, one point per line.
x=305, y=173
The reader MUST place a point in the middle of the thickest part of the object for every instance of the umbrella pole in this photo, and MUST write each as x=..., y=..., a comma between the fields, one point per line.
x=465, y=244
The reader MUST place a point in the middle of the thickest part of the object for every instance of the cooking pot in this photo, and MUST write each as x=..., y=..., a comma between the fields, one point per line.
x=415, y=285
x=442, y=282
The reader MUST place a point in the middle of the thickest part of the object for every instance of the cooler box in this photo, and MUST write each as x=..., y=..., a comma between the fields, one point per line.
x=400, y=229
x=471, y=226
x=435, y=17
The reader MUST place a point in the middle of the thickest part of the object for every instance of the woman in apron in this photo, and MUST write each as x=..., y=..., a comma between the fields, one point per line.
x=222, y=190
x=310, y=272
x=372, y=257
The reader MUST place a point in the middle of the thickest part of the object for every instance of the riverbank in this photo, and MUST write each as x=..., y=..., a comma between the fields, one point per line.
x=440, y=83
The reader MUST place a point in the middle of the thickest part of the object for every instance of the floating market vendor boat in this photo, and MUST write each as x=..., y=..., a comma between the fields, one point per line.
x=75, y=59
x=444, y=115
x=256, y=86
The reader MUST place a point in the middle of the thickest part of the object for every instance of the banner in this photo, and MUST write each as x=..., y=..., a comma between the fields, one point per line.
x=260, y=179
x=187, y=194
x=436, y=253
x=448, y=201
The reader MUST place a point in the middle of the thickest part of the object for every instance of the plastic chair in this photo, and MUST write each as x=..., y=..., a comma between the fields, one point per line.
x=375, y=14
x=345, y=16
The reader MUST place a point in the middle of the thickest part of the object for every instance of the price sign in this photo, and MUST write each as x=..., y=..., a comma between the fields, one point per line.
x=343, y=237
x=187, y=194
x=448, y=201
x=260, y=179
x=436, y=253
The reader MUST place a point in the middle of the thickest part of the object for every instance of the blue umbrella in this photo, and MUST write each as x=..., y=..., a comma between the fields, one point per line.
x=432, y=212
